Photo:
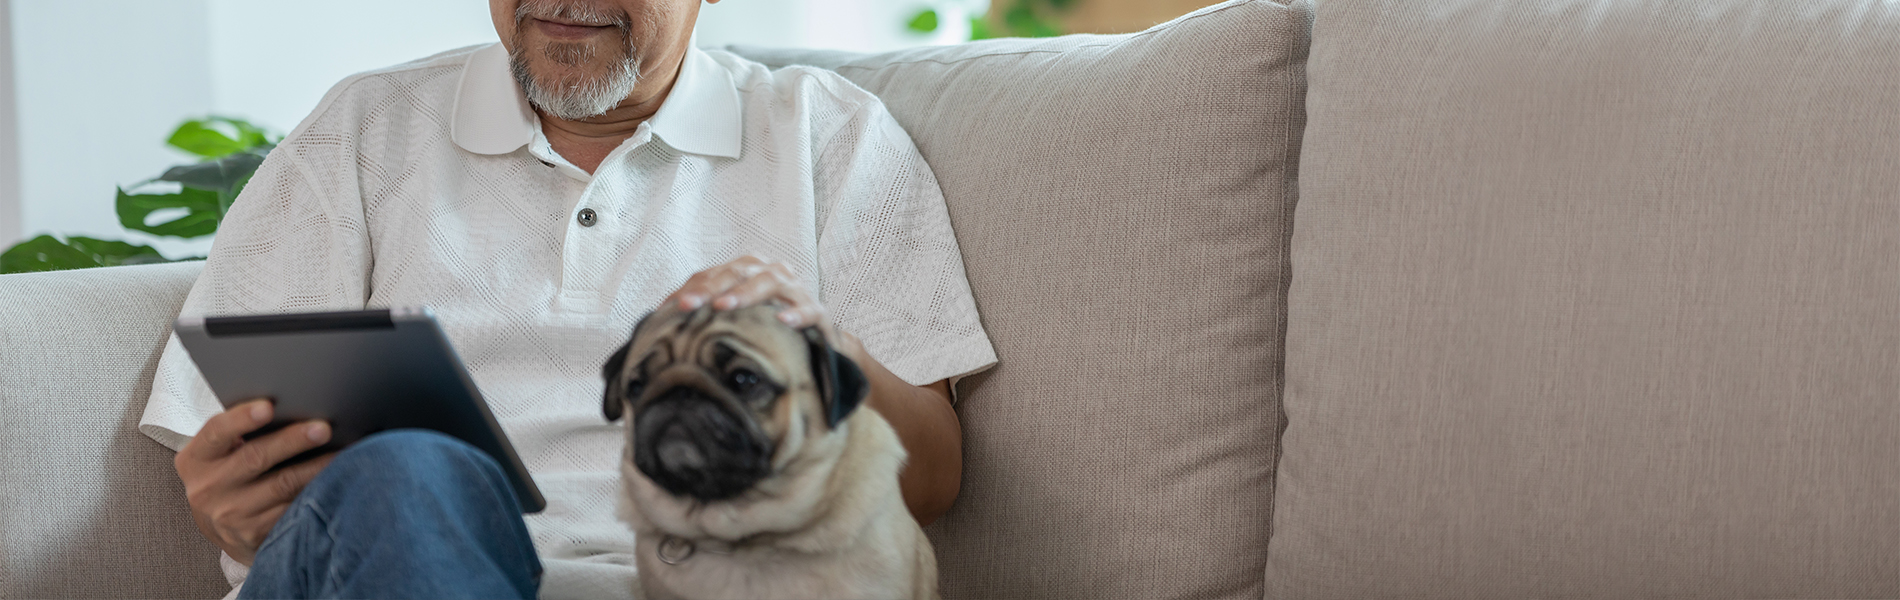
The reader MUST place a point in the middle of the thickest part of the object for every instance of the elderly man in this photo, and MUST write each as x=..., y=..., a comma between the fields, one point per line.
x=542, y=195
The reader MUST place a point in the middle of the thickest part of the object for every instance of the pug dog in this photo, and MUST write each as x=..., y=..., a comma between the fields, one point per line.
x=752, y=469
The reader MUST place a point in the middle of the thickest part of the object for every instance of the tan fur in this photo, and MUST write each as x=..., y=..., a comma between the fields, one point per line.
x=828, y=522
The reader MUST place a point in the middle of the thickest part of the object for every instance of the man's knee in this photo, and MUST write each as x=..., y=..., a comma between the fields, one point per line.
x=412, y=458
x=398, y=444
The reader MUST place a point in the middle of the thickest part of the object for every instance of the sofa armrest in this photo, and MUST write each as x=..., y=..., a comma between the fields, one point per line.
x=93, y=508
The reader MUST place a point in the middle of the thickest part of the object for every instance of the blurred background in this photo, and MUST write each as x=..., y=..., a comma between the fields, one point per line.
x=92, y=90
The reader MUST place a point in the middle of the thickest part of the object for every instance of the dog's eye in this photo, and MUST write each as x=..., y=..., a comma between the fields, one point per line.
x=635, y=387
x=742, y=379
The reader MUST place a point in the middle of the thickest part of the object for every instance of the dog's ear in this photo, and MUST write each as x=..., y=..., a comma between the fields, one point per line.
x=611, y=403
x=841, y=385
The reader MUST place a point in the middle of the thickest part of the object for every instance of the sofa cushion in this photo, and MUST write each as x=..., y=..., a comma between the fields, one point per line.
x=1595, y=298
x=92, y=508
x=1123, y=204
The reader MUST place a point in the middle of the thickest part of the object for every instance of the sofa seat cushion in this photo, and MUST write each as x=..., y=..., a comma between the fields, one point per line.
x=1123, y=204
x=1595, y=298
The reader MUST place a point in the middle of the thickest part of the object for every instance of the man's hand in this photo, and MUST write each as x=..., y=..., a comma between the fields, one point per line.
x=749, y=280
x=922, y=416
x=235, y=490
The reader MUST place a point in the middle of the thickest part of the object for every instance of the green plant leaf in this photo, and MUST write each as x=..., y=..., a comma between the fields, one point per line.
x=227, y=197
x=1022, y=20
x=207, y=137
x=47, y=253
x=251, y=136
x=924, y=22
x=198, y=138
x=203, y=209
x=980, y=29
x=226, y=176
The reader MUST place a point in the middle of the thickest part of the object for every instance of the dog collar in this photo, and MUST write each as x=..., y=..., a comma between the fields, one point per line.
x=675, y=550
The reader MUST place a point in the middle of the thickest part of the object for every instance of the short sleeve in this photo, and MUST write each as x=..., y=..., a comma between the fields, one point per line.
x=293, y=242
x=891, y=273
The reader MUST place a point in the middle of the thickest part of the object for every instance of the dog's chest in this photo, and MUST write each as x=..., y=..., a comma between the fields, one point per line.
x=766, y=574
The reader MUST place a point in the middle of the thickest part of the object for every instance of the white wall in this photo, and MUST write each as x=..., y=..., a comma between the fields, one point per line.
x=99, y=84
x=9, y=134
x=857, y=25
x=273, y=60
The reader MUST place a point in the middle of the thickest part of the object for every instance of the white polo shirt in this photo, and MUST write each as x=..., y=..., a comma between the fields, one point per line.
x=430, y=183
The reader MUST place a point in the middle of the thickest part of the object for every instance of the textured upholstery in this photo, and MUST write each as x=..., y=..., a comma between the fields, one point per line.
x=91, y=507
x=1592, y=298
x=1595, y=298
x=1123, y=204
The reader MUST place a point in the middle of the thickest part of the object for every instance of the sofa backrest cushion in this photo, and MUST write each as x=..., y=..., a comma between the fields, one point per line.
x=1123, y=204
x=90, y=507
x=1595, y=298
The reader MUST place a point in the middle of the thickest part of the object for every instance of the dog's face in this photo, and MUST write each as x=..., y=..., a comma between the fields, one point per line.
x=715, y=394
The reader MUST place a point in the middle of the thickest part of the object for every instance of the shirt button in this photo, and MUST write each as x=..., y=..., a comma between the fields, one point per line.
x=588, y=217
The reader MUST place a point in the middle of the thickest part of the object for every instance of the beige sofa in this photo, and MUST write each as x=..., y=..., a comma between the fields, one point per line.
x=1578, y=298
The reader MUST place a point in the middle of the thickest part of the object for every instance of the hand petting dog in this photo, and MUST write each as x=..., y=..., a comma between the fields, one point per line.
x=746, y=281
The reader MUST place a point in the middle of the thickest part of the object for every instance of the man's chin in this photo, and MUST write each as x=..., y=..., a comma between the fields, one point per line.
x=550, y=75
x=575, y=94
x=574, y=80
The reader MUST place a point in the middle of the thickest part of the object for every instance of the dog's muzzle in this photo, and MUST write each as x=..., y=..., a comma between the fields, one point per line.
x=694, y=445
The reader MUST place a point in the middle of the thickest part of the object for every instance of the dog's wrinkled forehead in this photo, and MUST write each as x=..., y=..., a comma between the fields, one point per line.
x=709, y=338
x=666, y=333
x=670, y=335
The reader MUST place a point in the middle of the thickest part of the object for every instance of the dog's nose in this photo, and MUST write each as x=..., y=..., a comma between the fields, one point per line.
x=677, y=452
x=694, y=445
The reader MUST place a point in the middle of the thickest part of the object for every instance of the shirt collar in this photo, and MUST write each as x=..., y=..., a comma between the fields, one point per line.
x=701, y=115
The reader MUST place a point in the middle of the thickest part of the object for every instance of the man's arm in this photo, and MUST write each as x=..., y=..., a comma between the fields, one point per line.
x=928, y=427
x=887, y=252
x=295, y=240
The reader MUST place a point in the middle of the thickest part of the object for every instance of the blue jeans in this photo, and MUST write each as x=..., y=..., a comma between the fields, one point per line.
x=400, y=514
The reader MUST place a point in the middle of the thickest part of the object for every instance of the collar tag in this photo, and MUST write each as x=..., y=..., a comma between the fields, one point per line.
x=675, y=550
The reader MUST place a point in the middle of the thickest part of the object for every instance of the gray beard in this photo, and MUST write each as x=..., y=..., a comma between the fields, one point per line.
x=577, y=100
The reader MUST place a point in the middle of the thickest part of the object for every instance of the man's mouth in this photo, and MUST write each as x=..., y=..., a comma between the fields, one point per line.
x=569, y=30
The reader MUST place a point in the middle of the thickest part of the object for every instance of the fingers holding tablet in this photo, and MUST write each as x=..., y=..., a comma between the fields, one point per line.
x=224, y=432
x=234, y=485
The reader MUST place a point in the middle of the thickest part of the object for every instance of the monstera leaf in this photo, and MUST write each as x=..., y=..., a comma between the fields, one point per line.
x=231, y=149
x=226, y=175
x=47, y=253
x=206, y=189
x=200, y=215
x=924, y=22
x=204, y=138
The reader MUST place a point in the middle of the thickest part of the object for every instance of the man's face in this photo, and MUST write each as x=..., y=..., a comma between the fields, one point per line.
x=578, y=59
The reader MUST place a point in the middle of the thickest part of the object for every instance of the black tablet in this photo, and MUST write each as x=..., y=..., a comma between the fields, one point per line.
x=363, y=371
